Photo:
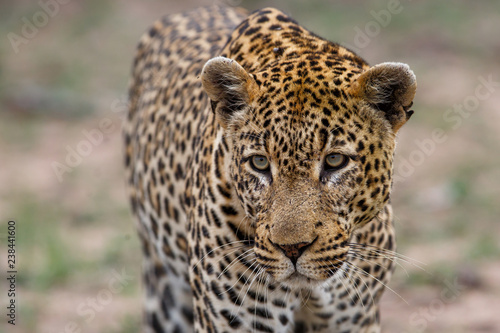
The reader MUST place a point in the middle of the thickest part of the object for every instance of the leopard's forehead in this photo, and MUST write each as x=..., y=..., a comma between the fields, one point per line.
x=303, y=106
x=316, y=70
x=308, y=90
x=268, y=39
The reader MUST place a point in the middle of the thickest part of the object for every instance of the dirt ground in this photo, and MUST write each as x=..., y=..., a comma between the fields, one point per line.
x=64, y=70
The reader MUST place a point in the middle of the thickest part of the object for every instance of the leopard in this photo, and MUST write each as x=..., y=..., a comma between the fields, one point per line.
x=259, y=165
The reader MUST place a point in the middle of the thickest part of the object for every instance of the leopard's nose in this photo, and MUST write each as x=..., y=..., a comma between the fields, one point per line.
x=294, y=251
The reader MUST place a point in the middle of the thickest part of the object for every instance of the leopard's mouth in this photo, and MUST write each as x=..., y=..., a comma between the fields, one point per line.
x=300, y=280
x=307, y=271
x=327, y=273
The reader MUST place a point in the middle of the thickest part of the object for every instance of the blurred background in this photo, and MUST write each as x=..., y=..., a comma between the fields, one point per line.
x=64, y=70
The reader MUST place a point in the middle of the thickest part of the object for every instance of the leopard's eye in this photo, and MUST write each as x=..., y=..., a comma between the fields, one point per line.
x=336, y=161
x=260, y=163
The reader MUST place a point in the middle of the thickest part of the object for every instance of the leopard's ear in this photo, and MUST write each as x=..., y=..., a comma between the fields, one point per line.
x=388, y=87
x=229, y=86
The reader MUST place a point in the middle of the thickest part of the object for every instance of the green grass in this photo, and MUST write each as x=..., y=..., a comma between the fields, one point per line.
x=129, y=325
x=47, y=258
x=484, y=247
x=21, y=134
x=433, y=275
x=94, y=16
x=29, y=312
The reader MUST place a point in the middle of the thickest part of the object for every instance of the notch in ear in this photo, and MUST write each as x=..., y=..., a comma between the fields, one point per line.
x=229, y=86
x=388, y=87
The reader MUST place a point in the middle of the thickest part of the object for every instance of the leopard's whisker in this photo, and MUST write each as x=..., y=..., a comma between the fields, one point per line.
x=354, y=267
x=341, y=279
x=366, y=285
x=243, y=255
x=259, y=271
x=386, y=251
x=356, y=288
x=359, y=255
x=378, y=252
x=243, y=242
x=240, y=276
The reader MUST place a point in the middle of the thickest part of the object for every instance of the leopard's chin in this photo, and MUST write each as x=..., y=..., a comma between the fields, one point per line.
x=299, y=280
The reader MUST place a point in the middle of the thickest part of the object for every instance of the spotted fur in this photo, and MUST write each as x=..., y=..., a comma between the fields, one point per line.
x=296, y=247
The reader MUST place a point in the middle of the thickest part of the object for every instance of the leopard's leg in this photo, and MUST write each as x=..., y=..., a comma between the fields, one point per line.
x=168, y=305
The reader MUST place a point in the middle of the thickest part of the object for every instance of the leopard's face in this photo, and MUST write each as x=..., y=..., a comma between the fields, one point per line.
x=309, y=165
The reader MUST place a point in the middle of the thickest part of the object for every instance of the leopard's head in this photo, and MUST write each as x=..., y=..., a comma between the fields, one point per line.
x=311, y=154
